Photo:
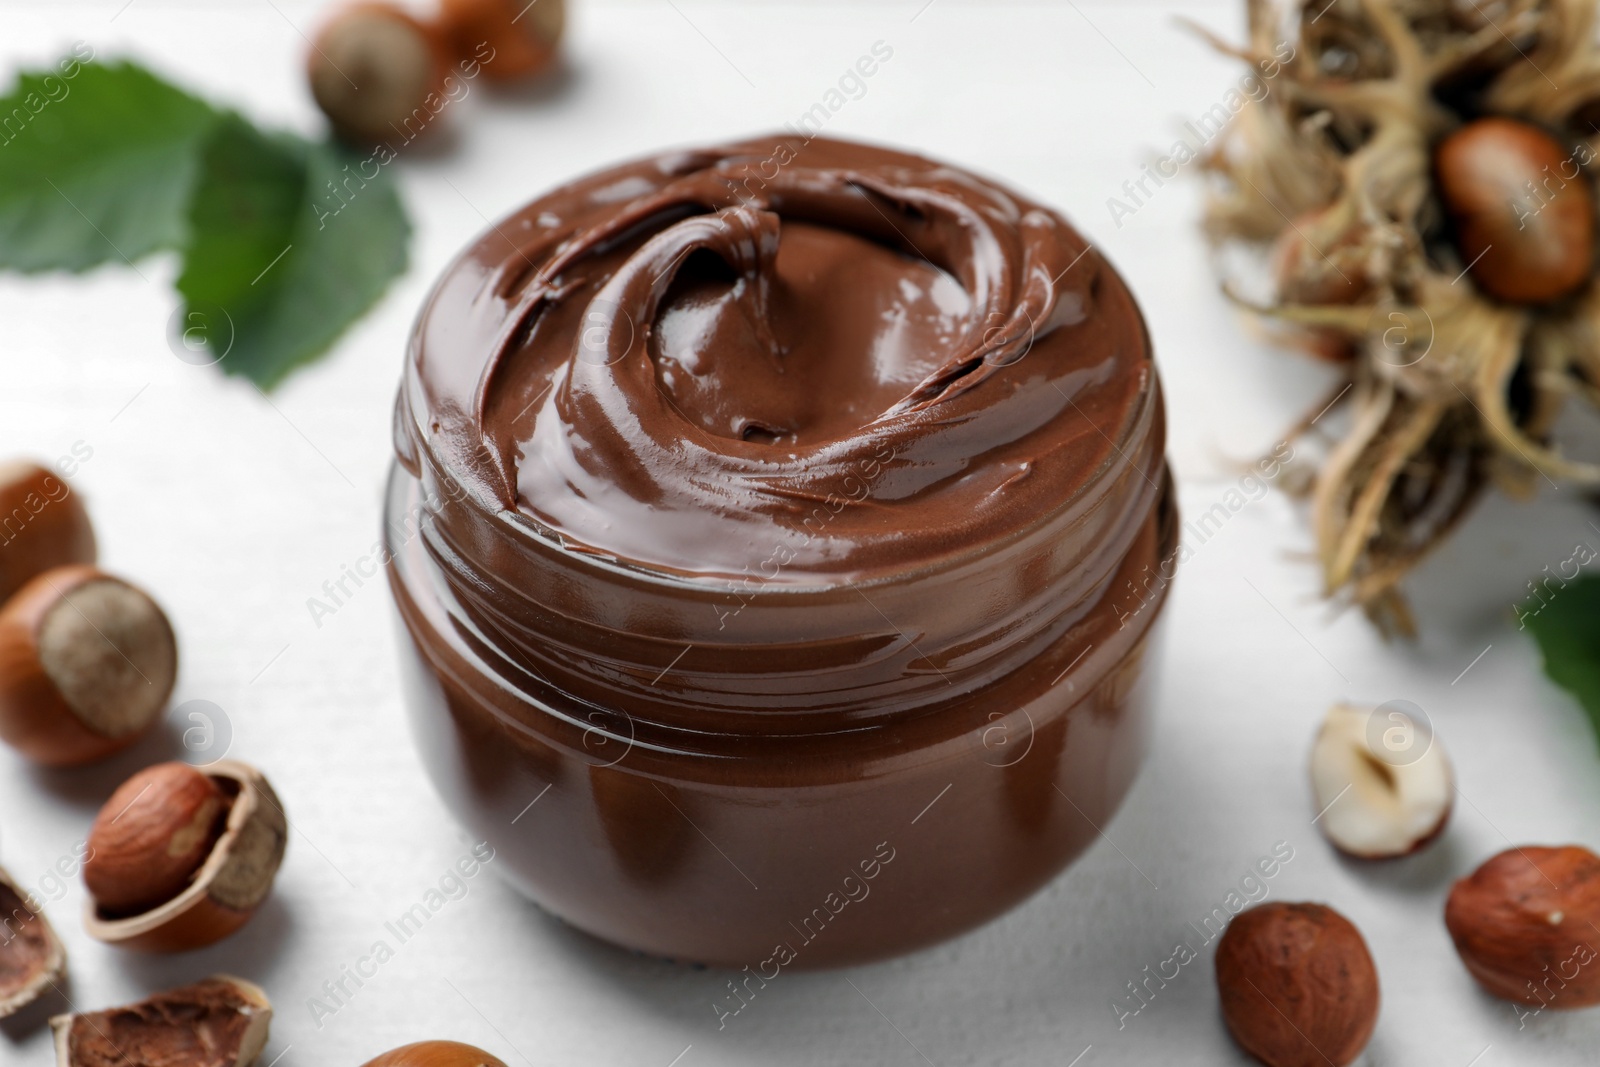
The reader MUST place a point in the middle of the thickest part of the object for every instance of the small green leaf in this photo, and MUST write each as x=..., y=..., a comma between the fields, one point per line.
x=1566, y=623
x=96, y=164
x=289, y=243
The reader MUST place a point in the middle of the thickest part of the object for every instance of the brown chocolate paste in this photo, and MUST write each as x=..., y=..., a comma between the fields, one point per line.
x=199, y=1025
x=751, y=476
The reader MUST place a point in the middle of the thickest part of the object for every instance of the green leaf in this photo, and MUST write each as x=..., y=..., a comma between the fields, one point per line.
x=96, y=163
x=1566, y=623
x=289, y=243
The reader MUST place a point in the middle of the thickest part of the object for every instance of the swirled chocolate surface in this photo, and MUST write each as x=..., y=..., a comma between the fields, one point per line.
x=839, y=357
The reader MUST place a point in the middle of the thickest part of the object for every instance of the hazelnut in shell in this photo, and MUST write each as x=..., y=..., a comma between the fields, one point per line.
x=435, y=1054
x=1521, y=247
x=1297, y=985
x=1525, y=923
x=512, y=39
x=374, y=70
x=87, y=662
x=42, y=525
x=31, y=957
x=147, y=839
x=219, y=1021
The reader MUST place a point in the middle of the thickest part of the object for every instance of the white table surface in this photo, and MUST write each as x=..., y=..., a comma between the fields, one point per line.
x=234, y=511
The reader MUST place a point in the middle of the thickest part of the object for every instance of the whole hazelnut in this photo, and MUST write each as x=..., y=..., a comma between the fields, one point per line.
x=1522, y=207
x=1525, y=923
x=512, y=40
x=374, y=71
x=152, y=836
x=435, y=1054
x=1380, y=781
x=1297, y=985
x=42, y=525
x=212, y=841
x=87, y=662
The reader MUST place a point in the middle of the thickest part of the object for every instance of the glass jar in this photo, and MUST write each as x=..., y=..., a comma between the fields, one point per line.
x=784, y=769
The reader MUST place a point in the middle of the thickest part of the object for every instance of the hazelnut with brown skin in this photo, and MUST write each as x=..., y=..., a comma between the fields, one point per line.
x=183, y=858
x=374, y=71
x=151, y=837
x=1520, y=247
x=1297, y=985
x=42, y=525
x=512, y=39
x=1525, y=924
x=87, y=662
x=435, y=1054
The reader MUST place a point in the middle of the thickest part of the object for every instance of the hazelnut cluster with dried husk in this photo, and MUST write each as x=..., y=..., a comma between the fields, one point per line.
x=1421, y=172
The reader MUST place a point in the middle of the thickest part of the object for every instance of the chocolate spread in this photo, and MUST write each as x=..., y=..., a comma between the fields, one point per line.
x=747, y=495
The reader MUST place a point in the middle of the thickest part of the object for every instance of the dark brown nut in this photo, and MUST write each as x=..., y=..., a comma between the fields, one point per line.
x=87, y=662
x=1524, y=924
x=1297, y=985
x=42, y=525
x=435, y=1054
x=378, y=74
x=31, y=957
x=1522, y=246
x=224, y=891
x=219, y=1021
x=152, y=836
x=512, y=40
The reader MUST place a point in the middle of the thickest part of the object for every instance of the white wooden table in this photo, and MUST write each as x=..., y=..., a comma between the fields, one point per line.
x=234, y=512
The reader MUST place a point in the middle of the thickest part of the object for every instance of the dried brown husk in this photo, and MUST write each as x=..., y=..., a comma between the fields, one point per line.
x=1449, y=391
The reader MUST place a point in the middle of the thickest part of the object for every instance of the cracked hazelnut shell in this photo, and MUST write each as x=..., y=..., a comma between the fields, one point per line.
x=42, y=525
x=1297, y=985
x=31, y=957
x=435, y=1054
x=1524, y=923
x=229, y=884
x=219, y=1021
x=87, y=662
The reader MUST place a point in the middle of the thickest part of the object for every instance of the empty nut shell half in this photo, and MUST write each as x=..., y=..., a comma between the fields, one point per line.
x=435, y=1054
x=228, y=887
x=31, y=957
x=87, y=662
x=219, y=1021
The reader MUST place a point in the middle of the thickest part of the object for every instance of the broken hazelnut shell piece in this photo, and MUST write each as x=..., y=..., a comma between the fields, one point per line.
x=435, y=1054
x=42, y=525
x=1376, y=802
x=31, y=957
x=87, y=662
x=372, y=70
x=1520, y=246
x=152, y=836
x=523, y=36
x=229, y=884
x=219, y=1021
x=1297, y=985
x=1525, y=923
